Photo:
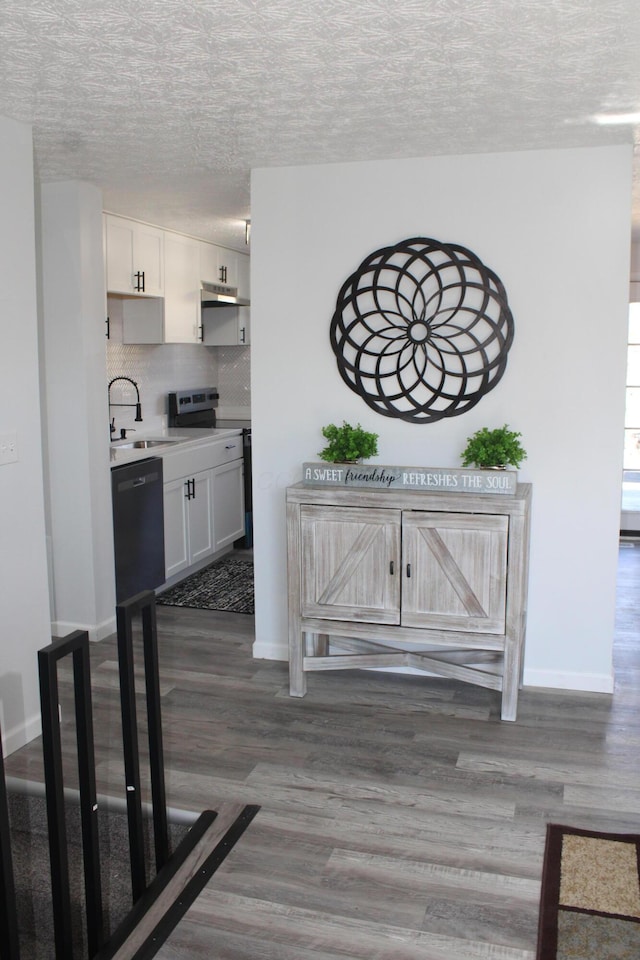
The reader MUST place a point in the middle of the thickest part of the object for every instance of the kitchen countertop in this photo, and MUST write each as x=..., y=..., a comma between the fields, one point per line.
x=170, y=438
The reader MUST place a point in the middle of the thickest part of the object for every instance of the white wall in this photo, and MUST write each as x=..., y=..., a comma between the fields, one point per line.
x=24, y=610
x=78, y=469
x=555, y=227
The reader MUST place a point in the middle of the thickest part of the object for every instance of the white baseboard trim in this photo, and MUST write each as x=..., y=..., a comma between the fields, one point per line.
x=96, y=631
x=554, y=680
x=270, y=651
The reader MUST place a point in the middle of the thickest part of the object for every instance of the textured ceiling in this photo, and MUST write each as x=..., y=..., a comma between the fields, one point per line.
x=168, y=104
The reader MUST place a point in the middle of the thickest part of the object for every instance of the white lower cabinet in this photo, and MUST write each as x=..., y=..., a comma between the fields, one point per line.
x=228, y=503
x=203, y=502
x=188, y=521
x=176, y=528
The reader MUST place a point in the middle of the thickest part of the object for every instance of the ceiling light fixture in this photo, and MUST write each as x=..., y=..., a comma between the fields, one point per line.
x=616, y=119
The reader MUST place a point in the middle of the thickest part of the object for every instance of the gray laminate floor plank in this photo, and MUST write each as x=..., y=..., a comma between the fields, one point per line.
x=400, y=819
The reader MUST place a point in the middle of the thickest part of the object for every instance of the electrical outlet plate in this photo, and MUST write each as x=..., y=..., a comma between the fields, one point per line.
x=8, y=448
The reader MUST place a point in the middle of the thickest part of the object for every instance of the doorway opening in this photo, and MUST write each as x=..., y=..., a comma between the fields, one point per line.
x=630, y=506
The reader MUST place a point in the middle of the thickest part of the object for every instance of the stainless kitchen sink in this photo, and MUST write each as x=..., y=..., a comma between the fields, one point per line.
x=142, y=444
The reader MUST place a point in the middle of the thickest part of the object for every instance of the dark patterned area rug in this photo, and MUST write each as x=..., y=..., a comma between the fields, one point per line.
x=226, y=585
x=590, y=901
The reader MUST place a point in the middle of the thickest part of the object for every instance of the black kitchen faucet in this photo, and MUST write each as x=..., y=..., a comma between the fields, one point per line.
x=137, y=405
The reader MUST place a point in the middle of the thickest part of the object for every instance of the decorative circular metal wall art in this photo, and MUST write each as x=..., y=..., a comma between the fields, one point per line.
x=422, y=330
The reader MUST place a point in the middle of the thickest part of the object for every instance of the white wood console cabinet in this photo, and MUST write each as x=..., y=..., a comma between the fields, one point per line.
x=433, y=581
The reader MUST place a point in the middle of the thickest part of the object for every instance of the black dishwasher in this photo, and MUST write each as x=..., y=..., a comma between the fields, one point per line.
x=138, y=526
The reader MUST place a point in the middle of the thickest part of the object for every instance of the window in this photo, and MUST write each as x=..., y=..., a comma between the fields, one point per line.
x=631, y=473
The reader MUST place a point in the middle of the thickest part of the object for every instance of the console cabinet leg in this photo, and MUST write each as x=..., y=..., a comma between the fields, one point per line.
x=297, y=678
x=511, y=679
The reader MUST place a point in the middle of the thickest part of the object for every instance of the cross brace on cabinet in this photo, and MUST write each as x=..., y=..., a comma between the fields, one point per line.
x=432, y=581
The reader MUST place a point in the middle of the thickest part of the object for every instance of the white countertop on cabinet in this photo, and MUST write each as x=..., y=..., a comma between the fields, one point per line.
x=122, y=452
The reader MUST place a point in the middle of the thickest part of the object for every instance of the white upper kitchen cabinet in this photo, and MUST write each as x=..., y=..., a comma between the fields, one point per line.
x=208, y=259
x=158, y=275
x=217, y=264
x=229, y=326
x=134, y=257
x=181, y=289
x=227, y=267
x=226, y=326
x=244, y=287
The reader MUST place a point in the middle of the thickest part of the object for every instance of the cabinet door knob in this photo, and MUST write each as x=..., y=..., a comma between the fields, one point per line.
x=391, y=568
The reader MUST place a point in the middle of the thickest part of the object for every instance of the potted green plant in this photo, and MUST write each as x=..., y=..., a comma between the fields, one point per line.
x=494, y=448
x=347, y=443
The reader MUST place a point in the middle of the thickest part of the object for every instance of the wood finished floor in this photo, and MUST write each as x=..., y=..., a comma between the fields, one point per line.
x=400, y=818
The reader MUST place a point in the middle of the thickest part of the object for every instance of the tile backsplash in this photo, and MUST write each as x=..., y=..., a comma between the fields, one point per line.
x=160, y=368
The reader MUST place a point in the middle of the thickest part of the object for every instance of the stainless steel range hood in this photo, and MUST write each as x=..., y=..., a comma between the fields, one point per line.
x=220, y=295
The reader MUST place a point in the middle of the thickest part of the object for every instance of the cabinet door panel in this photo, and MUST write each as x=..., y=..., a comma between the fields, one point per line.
x=133, y=247
x=350, y=563
x=182, y=289
x=244, y=276
x=201, y=517
x=208, y=261
x=119, y=255
x=176, y=533
x=228, y=503
x=455, y=571
x=149, y=256
x=227, y=267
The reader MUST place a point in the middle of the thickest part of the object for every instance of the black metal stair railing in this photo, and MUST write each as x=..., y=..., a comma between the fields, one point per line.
x=75, y=644
x=159, y=904
x=9, y=940
x=142, y=604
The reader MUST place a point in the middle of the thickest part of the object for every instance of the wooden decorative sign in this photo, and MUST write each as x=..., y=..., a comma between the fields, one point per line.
x=427, y=479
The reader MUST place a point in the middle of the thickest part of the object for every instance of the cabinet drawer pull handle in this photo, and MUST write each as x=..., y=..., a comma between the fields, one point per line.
x=230, y=446
x=391, y=568
x=408, y=569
